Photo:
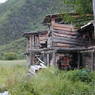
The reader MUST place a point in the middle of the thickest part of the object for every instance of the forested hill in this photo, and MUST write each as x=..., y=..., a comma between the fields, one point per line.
x=18, y=16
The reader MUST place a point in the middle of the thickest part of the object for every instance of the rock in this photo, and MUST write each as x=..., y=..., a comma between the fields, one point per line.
x=5, y=93
x=35, y=68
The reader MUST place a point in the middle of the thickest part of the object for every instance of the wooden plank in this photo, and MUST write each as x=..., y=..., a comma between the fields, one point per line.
x=94, y=15
x=48, y=60
x=92, y=63
x=63, y=26
x=37, y=44
x=45, y=35
x=49, y=43
x=30, y=42
x=65, y=32
x=53, y=60
x=62, y=45
x=70, y=39
x=78, y=62
x=60, y=28
x=63, y=35
x=43, y=39
x=42, y=42
x=65, y=40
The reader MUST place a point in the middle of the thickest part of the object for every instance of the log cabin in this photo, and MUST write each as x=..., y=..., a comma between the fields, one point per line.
x=62, y=45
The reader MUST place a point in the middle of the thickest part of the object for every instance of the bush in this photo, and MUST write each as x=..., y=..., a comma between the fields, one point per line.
x=80, y=75
x=10, y=56
x=53, y=82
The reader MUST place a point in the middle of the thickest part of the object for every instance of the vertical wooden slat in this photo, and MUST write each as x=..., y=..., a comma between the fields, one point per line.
x=94, y=60
x=48, y=60
x=94, y=15
x=78, y=66
x=54, y=59
x=29, y=60
x=30, y=42
x=37, y=41
x=92, y=63
x=27, y=45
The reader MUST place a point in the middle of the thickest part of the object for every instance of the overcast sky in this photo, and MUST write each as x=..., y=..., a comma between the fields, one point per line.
x=3, y=1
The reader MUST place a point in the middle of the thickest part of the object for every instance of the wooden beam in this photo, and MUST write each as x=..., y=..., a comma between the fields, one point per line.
x=78, y=63
x=63, y=35
x=67, y=41
x=92, y=63
x=30, y=42
x=94, y=15
x=48, y=63
x=94, y=60
x=65, y=32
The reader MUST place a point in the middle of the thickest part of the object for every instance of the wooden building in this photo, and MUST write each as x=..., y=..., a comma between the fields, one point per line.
x=62, y=45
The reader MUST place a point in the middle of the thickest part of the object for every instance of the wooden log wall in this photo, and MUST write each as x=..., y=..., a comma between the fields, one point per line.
x=66, y=39
x=65, y=27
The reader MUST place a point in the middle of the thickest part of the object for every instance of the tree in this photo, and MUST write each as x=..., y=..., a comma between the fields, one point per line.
x=81, y=6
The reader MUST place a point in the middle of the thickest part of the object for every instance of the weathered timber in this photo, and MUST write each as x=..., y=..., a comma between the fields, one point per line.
x=63, y=29
x=66, y=42
x=63, y=26
x=64, y=38
x=66, y=32
x=63, y=35
x=94, y=15
x=63, y=45
x=78, y=66
x=92, y=63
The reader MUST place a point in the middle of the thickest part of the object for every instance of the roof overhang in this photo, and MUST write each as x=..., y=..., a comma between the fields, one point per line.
x=87, y=27
x=48, y=17
x=27, y=34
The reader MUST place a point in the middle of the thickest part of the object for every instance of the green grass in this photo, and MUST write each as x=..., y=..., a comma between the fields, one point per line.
x=54, y=82
x=50, y=81
x=11, y=71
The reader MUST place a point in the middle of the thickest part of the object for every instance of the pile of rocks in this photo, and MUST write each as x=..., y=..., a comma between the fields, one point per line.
x=35, y=68
x=5, y=93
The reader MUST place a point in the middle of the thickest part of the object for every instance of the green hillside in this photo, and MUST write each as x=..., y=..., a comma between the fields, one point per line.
x=18, y=16
x=18, y=47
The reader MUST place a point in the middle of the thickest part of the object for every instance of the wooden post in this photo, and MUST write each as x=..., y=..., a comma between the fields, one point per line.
x=48, y=60
x=78, y=66
x=93, y=60
x=94, y=15
x=37, y=41
x=30, y=42
x=53, y=60
x=27, y=44
x=29, y=60
x=92, y=63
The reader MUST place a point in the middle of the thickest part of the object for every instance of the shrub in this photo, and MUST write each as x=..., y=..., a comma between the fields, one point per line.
x=54, y=82
x=80, y=75
x=10, y=56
